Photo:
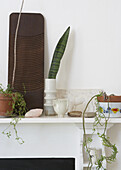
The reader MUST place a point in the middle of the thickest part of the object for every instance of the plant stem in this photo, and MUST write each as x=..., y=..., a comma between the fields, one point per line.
x=15, y=43
x=105, y=140
x=84, y=130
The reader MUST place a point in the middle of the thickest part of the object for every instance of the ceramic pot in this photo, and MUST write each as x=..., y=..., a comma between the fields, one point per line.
x=110, y=104
x=109, y=99
x=49, y=110
x=50, y=85
x=60, y=106
x=50, y=95
x=114, y=108
x=5, y=105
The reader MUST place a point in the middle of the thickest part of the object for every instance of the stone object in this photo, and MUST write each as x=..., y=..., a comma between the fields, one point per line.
x=34, y=113
x=90, y=114
x=75, y=114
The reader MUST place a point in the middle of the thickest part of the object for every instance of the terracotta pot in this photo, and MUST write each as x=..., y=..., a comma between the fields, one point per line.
x=5, y=105
x=109, y=99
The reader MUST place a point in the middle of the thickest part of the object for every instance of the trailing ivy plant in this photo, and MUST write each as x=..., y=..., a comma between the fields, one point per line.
x=18, y=104
x=18, y=108
x=6, y=91
x=99, y=119
x=58, y=54
x=13, y=123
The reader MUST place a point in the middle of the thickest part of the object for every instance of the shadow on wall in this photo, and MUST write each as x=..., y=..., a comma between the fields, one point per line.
x=115, y=136
x=66, y=65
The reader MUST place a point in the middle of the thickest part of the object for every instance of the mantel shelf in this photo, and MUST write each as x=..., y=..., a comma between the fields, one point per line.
x=56, y=120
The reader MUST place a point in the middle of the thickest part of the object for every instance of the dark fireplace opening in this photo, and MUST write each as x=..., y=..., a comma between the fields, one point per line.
x=37, y=164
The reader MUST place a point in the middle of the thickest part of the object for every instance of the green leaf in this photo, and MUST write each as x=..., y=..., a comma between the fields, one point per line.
x=58, y=54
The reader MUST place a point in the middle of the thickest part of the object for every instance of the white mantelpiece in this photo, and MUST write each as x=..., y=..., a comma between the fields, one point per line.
x=56, y=120
x=58, y=133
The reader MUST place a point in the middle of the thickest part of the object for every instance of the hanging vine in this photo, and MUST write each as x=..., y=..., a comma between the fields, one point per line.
x=18, y=108
x=100, y=117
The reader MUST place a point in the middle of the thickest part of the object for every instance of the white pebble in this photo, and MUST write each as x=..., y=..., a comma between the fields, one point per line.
x=34, y=113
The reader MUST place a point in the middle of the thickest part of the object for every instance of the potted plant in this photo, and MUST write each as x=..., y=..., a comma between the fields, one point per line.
x=6, y=101
x=50, y=82
x=104, y=138
x=13, y=103
x=111, y=103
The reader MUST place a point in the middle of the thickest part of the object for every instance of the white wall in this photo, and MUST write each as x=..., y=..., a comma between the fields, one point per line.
x=93, y=55
x=92, y=59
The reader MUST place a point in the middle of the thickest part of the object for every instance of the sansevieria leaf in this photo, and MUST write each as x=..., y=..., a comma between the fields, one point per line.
x=58, y=54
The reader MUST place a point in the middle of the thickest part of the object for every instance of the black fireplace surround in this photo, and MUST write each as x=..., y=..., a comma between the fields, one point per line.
x=37, y=164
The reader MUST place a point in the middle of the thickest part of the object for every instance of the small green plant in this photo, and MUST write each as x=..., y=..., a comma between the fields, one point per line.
x=13, y=123
x=58, y=54
x=6, y=91
x=18, y=104
x=19, y=108
x=105, y=139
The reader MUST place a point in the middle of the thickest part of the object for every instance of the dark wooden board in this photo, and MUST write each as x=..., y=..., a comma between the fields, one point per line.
x=30, y=57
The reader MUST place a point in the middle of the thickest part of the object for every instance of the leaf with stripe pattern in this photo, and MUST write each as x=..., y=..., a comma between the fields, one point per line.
x=58, y=54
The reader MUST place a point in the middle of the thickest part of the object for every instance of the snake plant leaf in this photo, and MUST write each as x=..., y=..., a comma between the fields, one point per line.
x=58, y=54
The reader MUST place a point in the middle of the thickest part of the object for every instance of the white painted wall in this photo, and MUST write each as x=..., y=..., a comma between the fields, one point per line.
x=93, y=56
x=92, y=59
